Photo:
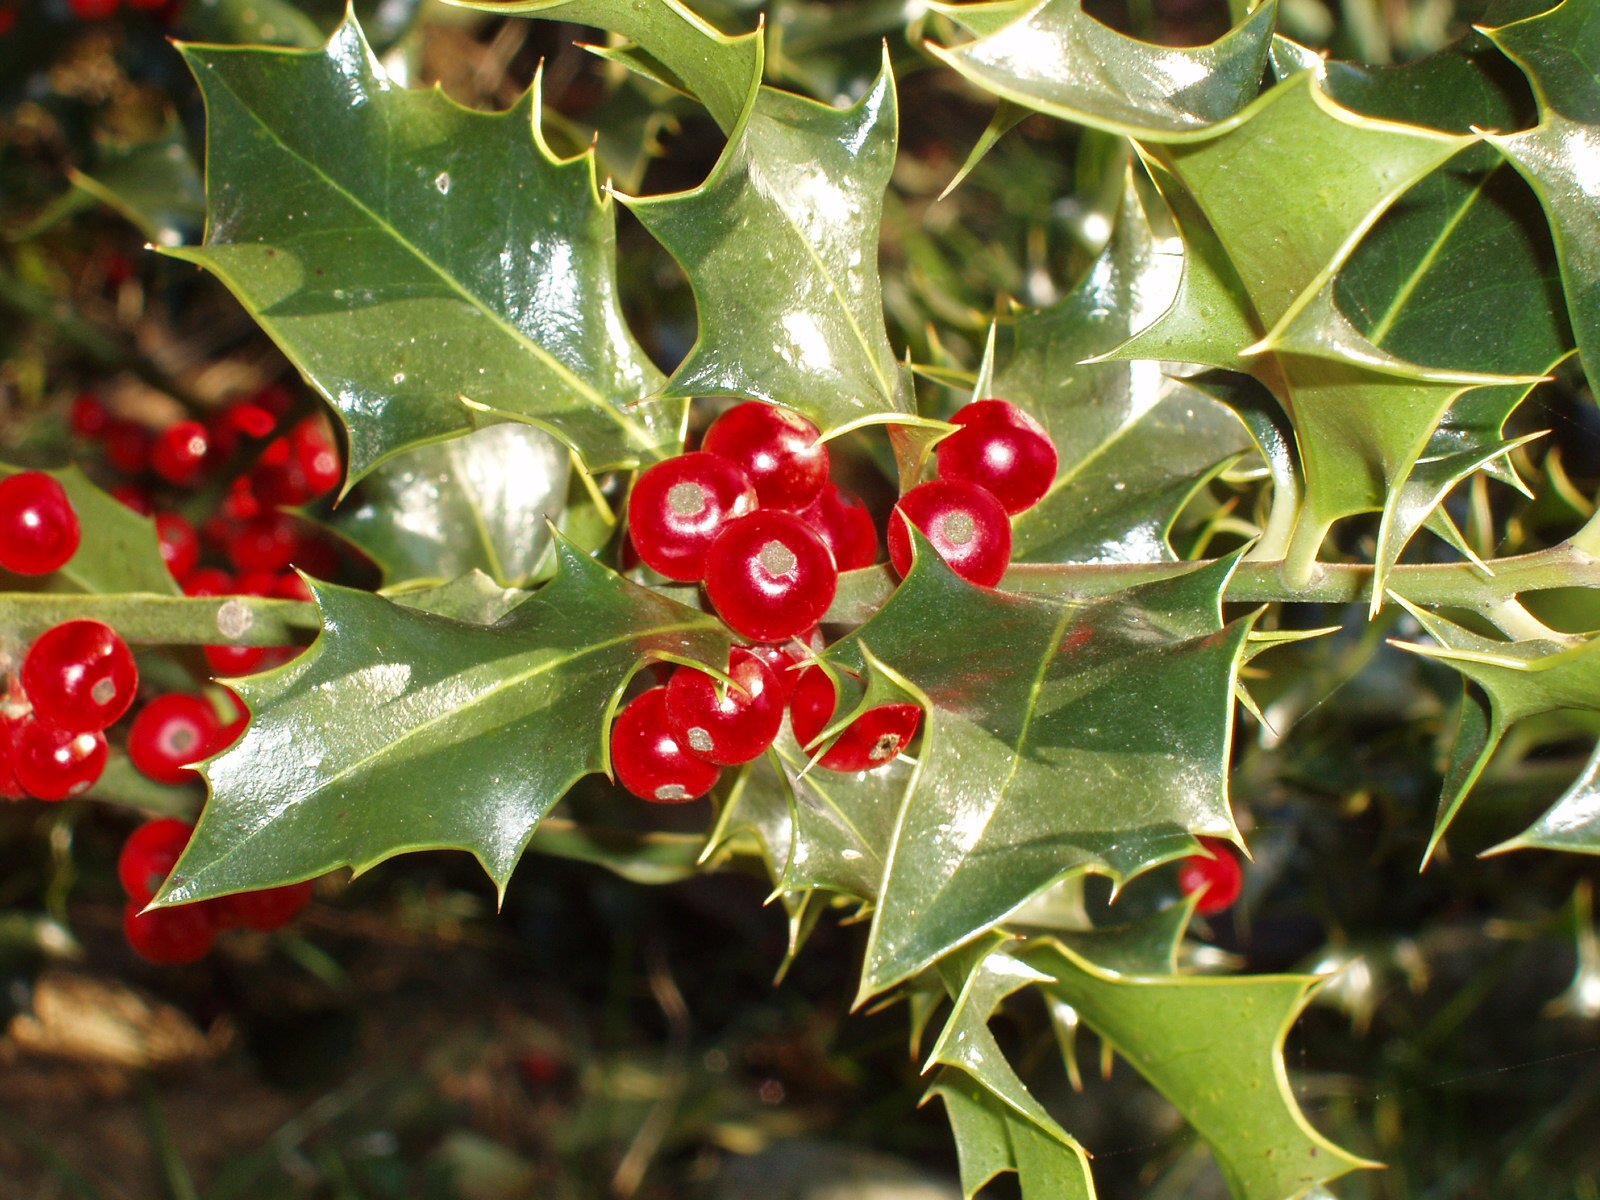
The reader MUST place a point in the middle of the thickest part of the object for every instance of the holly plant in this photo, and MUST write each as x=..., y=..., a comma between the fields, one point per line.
x=954, y=617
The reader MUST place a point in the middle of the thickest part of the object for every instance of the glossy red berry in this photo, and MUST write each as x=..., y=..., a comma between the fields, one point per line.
x=733, y=727
x=131, y=495
x=783, y=661
x=80, y=675
x=316, y=456
x=53, y=763
x=128, y=447
x=228, y=662
x=89, y=417
x=149, y=855
x=966, y=525
x=39, y=529
x=266, y=543
x=169, y=936
x=1001, y=449
x=170, y=733
x=207, y=581
x=679, y=506
x=770, y=576
x=876, y=737
x=1219, y=879
x=180, y=544
x=265, y=910
x=649, y=761
x=92, y=10
x=845, y=526
x=777, y=448
x=179, y=454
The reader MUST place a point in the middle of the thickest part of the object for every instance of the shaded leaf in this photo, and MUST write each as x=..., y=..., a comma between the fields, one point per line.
x=780, y=245
x=1572, y=822
x=409, y=254
x=156, y=185
x=400, y=730
x=479, y=502
x=1088, y=735
x=1052, y=56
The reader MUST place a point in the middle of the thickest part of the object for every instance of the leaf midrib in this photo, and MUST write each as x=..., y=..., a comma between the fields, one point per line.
x=636, y=432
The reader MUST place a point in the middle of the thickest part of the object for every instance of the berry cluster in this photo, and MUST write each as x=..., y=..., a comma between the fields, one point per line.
x=185, y=934
x=101, y=10
x=998, y=463
x=1216, y=875
x=247, y=544
x=76, y=679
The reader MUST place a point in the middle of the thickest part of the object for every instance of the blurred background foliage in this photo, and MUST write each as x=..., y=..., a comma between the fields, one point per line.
x=602, y=1037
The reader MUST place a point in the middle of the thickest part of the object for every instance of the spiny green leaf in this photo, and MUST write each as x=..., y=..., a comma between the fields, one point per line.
x=679, y=48
x=154, y=184
x=992, y=1139
x=1133, y=443
x=401, y=730
x=1087, y=736
x=409, y=254
x=1054, y=57
x=119, y=551
x=1560, y=52
x=781, y=248
x=479, y=502
x=1518, y=680
x=1214, y=1047
x=1572, y=822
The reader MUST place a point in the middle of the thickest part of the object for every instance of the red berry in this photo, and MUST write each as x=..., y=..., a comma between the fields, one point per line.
x=131, y=495
x=207, y=581
x=92, y=10
x=8, y=19
x=180, y=453
x=89, y=417
x=54, y=763
x=679, y=506
x=316, y=456
x=730, y=728
x=241, y=503
x=784, y=662
x=966, y=525
x=874, y=738
x=275, y=398
x=266, y=543
x=1001, y=449
x=39, y=529
x=128, y=447
x=171, y=732
x=180, y=544
x=10, y=787
x=649, y=761
x=770, y=576
x=169, y=936
x=266, y=910
x=845, y=526
x=148, y=857
x=1219, y=879
x=80, y=675
x=779, y=450
x=231, y=661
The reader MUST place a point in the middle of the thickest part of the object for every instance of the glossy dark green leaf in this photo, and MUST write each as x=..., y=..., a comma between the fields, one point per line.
x=411, y=255
x=480, y=502
x=1133, y=444
x=251, y=22
x=1560, y=52
x=1054, y=57
x=1572, y=822
x=679, y=48
x=155, y=184
x=1515, y=681
x=400, y=730
x=781, y=248
x=1214, y=1047
x=119, y=551
x=1086, y=736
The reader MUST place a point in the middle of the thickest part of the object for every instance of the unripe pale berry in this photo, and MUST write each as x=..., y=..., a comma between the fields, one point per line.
x=965, y=524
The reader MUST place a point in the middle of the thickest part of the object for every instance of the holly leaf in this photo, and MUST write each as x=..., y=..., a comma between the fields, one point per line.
x=668, y=43
x=155, y=185
x=1514, y=681
x=1089, y=735
x=1213, y=1046
x=1133, y=444
x=482, y=502
x=1559, y=51
x=780, y=245
x=401, y=730
x=1055, y=58
x=1572, y=822
x=119, y=551
x=409, y=254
